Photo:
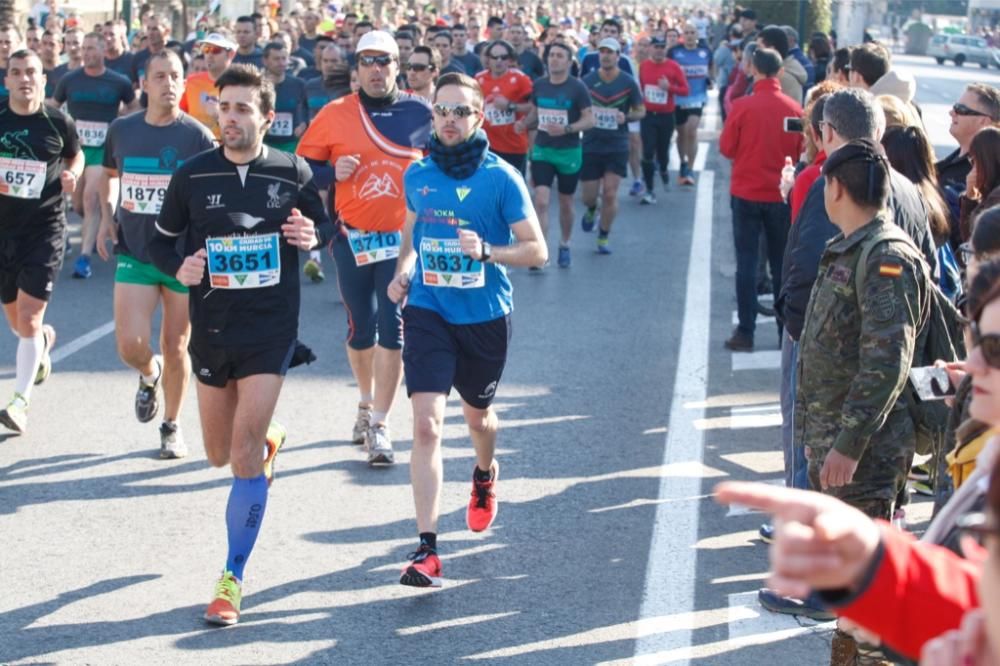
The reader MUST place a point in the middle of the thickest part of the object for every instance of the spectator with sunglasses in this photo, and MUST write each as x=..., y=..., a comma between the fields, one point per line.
x=370, y=137
x=978, y=107
x=920, y=599
x=982, y=184
x=422, y=71
x=468, y=217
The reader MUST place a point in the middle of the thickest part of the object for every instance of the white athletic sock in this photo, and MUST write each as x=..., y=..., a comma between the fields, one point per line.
x=366, y=399
x=29, y=357
x=151, y=380
x=378, y=417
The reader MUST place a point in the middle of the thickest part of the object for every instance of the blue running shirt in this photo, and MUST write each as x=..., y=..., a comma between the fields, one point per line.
x=487, y=202
x=697, y=64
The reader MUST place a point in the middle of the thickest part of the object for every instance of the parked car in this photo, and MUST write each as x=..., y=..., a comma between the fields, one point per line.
x=961, y=49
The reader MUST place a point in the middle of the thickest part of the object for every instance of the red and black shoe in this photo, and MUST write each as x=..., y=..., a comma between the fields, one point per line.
x=424, y=570
x=483, y=504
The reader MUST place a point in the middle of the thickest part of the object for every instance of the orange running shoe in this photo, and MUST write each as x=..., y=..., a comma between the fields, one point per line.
x=483, y=505
x=275, y=440
x=225, y=607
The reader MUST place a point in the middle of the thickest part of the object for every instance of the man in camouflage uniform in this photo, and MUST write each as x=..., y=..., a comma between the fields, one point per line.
x=861, y=328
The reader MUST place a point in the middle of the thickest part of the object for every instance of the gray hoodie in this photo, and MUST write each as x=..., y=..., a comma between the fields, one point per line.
x=793, y=78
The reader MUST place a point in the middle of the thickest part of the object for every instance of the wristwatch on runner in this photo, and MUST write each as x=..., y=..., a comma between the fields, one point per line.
x=484, y=255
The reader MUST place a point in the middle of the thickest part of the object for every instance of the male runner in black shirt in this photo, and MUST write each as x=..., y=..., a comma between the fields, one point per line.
x=40, y=159
x=243, y=212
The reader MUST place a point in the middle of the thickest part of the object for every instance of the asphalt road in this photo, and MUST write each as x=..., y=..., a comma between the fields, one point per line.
x=620, y=410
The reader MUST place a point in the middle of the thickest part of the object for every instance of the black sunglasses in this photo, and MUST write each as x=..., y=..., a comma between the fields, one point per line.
x=963, y=110
x=978, y=526
x=417, y=67
x=989, y=344
x=372, y=60
x=460, y=111
x=502, y=56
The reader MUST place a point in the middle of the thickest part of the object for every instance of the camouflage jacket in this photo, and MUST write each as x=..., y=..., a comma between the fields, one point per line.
x=858, y=340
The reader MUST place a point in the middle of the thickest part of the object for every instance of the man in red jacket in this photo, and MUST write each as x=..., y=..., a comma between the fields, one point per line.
x=661, y=81
x=754, y=138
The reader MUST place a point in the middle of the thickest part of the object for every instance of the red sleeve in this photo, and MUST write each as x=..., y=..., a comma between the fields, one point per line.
x=678, y=82
x=184, y=102
x=527, y=87
x=919, y=591
x=729, y=140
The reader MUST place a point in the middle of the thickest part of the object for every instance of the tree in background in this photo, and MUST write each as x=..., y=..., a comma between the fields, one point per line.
x=818, y=16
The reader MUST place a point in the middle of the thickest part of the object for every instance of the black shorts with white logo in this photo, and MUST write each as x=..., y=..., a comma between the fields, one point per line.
x=215, y=366
x=31, y=263
x=438, y=355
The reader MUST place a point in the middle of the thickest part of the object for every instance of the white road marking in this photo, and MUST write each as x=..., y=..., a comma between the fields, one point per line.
x=758, y=360
x=749, y=624
x=85, y=340
x=672, y=565
x=699, y=159
x=761, y=320
x=740, y=510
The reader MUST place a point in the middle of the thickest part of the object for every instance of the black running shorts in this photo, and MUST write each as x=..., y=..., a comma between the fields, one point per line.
x=215, y=366
x=438, y=355
x=30, y=264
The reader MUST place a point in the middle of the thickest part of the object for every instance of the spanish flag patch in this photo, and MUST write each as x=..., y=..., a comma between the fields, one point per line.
x=890, y=270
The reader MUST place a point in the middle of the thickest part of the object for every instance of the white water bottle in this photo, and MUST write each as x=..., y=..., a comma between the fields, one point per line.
x=787, y=178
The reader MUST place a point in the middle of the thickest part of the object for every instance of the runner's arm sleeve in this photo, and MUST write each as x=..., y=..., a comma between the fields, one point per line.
x=516, y=203
x=311, y=205
x=128, y=93
x=60, y=94
x=71, y=140
x=171, y=223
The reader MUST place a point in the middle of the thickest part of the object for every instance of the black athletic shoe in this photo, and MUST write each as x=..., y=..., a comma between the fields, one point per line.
x=147, y=400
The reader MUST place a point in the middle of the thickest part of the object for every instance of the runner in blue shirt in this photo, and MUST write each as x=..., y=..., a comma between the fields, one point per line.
x=696, y=61
x=468, y=216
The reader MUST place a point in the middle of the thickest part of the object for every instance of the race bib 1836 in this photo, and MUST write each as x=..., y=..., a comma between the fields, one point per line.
x=444, y=265
x=92, y=134
x=244, y=262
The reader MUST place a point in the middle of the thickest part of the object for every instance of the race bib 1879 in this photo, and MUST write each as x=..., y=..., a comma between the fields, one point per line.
x=444, y=265
x=244, y=262
x=23, y=179
x=143, y=192
x=369, y=247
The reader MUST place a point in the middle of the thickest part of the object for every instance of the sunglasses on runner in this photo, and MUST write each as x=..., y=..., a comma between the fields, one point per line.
x=501, y=56
x=418, y=67
x=458, y=110
x=988, y=344
x=213, y=50
x=963, y=110
x=372, y=60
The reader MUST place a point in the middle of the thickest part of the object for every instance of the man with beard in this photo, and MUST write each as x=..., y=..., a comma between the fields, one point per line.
x=240, y=214
x=468, y=217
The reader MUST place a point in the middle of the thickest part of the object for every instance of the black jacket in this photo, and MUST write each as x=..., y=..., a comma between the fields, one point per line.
x=807, y=239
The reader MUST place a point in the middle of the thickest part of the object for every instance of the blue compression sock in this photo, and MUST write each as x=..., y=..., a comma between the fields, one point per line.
x=244, y=513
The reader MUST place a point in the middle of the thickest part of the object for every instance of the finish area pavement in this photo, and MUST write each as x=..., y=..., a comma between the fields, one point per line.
x=619, y=411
